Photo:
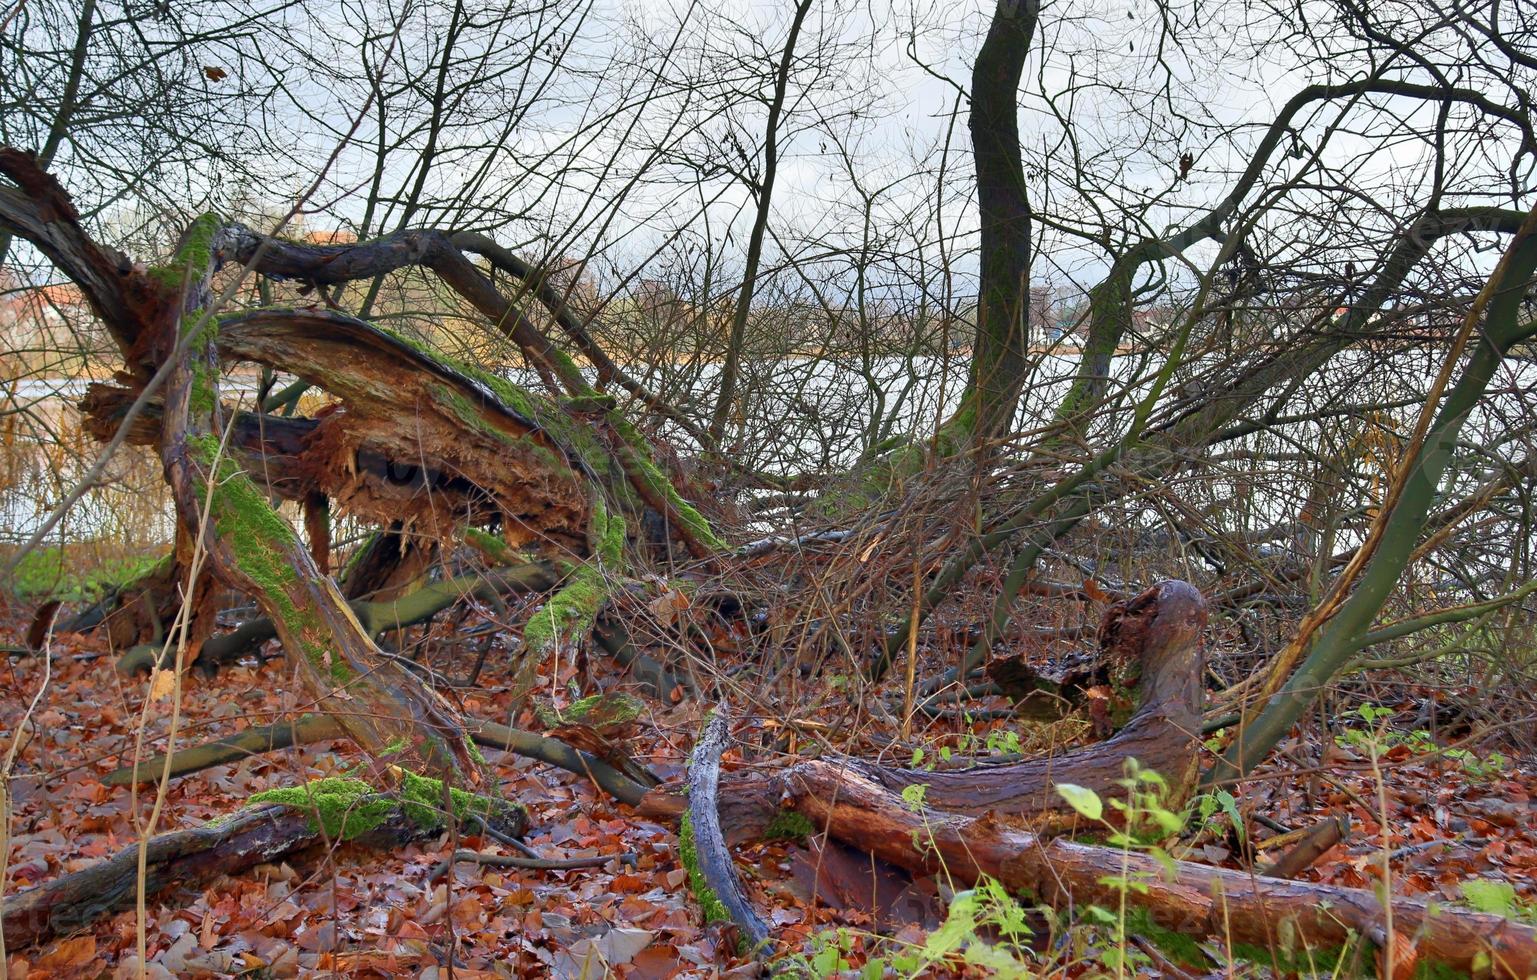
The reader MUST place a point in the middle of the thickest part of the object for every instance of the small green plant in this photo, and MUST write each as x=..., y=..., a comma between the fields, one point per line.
x=1498, y=898
x=989, y=908
x=1377, y=735
x=1143, y=821
x=1004, y=741
x=1208, y=807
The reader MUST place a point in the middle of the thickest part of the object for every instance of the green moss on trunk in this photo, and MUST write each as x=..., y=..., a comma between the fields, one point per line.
x=709, y=903
x=657, y=483
x=193, y=255
x=788, y=825
x=573, y=609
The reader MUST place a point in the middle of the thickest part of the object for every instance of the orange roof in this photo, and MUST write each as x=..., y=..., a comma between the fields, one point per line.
x=338, y=236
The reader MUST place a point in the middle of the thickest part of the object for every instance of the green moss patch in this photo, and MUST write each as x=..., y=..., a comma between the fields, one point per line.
x=570, y=613
x=194, y=255
x=52, y=573
x=346, y=808
x=599, y=711
x=658, y=484
x=788, y=825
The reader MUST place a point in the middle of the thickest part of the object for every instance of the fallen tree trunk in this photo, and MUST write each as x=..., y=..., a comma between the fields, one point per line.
x=1258, y=917
x=256, y=835
x=712, y=876
x=995, y=821
x=248, y=546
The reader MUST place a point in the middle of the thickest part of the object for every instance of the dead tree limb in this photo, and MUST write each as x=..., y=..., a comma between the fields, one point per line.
x=1309, y=847
x=255, y=740
x=309, y=728
x=255, y=835
x=712, y=875
x=979, y=822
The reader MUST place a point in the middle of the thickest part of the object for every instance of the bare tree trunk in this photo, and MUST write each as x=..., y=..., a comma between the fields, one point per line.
x=1002, y=337
x=726, y=398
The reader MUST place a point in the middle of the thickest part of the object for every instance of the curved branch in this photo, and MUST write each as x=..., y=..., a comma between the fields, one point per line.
x=713, y=875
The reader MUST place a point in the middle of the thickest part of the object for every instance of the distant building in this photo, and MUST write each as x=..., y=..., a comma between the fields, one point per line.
x=41, y=318
x=338, y=236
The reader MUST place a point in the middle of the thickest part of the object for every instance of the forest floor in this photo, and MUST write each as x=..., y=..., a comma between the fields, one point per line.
x=1443, y=818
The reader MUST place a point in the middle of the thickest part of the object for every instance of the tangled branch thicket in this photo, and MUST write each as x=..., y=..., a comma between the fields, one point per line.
x=658, y=344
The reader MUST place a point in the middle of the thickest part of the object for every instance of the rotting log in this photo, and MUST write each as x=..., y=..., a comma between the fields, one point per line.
x=972, y=823
x=1260, y=918
x=1160, y=632
x=591, y=414
x=294, y=458
x=413, y=439
x=259, y=834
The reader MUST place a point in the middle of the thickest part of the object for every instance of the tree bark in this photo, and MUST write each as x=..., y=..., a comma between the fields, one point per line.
x=1003, y=331
x=249, y=547
x=1267, y=915
x=180, y=859
x=713, y=875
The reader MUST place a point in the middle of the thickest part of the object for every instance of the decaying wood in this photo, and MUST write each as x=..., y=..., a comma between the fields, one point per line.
x=1310, y=846
x=1196, y=900
x=377, y=700
x=979, y=822
x=712, y=859
x=389, y=564
x=424, y=415
x=292, y=459
x=181, y=859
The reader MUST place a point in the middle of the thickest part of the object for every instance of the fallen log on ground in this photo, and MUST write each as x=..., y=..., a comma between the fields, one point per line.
x=1265, y=919
x=306, y=816
x=712, y=877
x=255, y=740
